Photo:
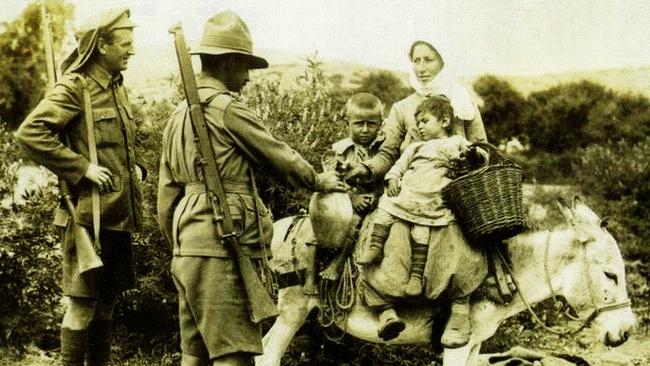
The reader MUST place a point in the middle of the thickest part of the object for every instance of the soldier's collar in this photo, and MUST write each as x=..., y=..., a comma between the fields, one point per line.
x=206, y=81
x=103, y=77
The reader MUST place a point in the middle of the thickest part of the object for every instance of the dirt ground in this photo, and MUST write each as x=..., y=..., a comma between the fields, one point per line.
x=635, y=352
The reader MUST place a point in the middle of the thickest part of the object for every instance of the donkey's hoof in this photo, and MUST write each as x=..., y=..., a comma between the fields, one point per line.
x=391, y=329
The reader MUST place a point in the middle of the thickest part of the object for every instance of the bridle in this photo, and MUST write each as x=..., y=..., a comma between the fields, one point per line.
x=597, y=310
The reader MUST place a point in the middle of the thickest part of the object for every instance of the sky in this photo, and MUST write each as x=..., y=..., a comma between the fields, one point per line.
x=474, y=36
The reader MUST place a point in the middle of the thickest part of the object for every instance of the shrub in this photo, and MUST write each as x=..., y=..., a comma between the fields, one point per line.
x=555, y=118
x=147, y=316
x=309, y=118
x=29, y=261
x=502, y=109
x=618, y=177
x=547, y=168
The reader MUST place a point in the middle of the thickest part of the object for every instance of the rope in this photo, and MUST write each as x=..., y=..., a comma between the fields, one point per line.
x=530, y=310
x=337, y=300
x=585, y=321
x=345, y=292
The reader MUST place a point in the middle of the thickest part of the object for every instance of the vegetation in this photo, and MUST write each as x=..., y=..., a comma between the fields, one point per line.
x=22, y=65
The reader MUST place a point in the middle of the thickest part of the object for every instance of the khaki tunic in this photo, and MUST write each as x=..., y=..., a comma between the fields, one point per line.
x=240, y=143
x=400, y=130
x=61, y=111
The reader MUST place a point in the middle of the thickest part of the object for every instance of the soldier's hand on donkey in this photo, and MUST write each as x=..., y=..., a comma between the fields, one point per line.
x=101, y=176
x=329, y=182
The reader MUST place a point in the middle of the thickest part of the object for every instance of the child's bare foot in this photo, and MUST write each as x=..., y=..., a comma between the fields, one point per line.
x=310, y=289
x=334, y=269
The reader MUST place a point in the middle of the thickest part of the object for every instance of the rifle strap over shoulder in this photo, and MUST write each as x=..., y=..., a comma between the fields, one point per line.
x=92, y=155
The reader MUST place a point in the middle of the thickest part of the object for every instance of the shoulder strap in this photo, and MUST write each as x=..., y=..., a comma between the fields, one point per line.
x=92, y=154
x=221, y=99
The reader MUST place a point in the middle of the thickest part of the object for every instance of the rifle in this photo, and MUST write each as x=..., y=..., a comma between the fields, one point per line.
x=87, y=257
x=261, y=305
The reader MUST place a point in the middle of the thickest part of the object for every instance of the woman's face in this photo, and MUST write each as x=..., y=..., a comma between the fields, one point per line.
x=426, y=63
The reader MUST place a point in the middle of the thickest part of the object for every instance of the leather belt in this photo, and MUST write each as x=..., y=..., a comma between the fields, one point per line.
x=228, y=187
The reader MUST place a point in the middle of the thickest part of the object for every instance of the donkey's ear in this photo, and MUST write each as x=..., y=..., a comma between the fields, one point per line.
x=564, y=209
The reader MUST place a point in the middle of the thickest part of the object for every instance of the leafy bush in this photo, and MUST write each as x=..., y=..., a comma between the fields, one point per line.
x=555, y=118
x=547, y=168
x=147, y=316
x=309, y=118
x=575, y=115
x=618, y=177
x=29, y=261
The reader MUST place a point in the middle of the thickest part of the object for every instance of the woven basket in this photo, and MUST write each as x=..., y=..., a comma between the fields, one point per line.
x=488, y=203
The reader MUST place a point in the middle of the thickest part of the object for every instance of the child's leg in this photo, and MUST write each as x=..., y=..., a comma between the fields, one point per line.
x=458, y=328
x=419, y=249
x=380, y=230
x=310, y=288
x=335, y=268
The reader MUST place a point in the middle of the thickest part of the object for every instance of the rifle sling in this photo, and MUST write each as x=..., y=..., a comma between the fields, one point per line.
x=92, y=156
x=211, y=174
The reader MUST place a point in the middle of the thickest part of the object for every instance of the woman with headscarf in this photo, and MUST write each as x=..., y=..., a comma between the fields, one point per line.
x=428, y=77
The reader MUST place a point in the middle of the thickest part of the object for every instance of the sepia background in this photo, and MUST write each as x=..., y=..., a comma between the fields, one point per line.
x=563, y=88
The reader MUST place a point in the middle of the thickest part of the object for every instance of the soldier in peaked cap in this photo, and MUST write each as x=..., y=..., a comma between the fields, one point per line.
x=214, y=322
x=92, y=72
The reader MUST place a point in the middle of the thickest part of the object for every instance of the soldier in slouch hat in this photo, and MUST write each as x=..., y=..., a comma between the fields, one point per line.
x=213, y=306
x=91, y=85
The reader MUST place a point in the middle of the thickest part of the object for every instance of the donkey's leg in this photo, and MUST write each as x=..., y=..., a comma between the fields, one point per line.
x=457, y=356
x=472, y=358
x=294, y=307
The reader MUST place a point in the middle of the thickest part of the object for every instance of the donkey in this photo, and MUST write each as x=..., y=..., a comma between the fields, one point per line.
x=579, y=261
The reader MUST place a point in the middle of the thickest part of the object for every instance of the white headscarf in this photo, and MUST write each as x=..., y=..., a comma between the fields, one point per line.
x=445, y=84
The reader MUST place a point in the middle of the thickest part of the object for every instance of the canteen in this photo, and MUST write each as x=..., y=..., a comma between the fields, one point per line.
x=331, y=216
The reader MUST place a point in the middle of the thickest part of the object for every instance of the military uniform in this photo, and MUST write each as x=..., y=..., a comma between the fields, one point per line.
x=55, y=135
x=213, y=311
x=61, y=111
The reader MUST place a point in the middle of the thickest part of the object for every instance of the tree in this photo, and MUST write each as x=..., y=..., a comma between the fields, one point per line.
x=385, y=85
x=555, y=119
x=503, y=108
x=624, y=117
x=22, y=61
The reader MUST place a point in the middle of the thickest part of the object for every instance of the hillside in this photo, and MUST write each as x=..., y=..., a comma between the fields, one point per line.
x=143, y=73
x=629, y=79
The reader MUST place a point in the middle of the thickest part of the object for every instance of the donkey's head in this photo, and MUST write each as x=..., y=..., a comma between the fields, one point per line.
x=594, y=280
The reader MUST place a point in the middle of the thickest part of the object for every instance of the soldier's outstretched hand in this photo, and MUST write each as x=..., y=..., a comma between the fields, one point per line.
x=329, y=182
x=356, y=171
